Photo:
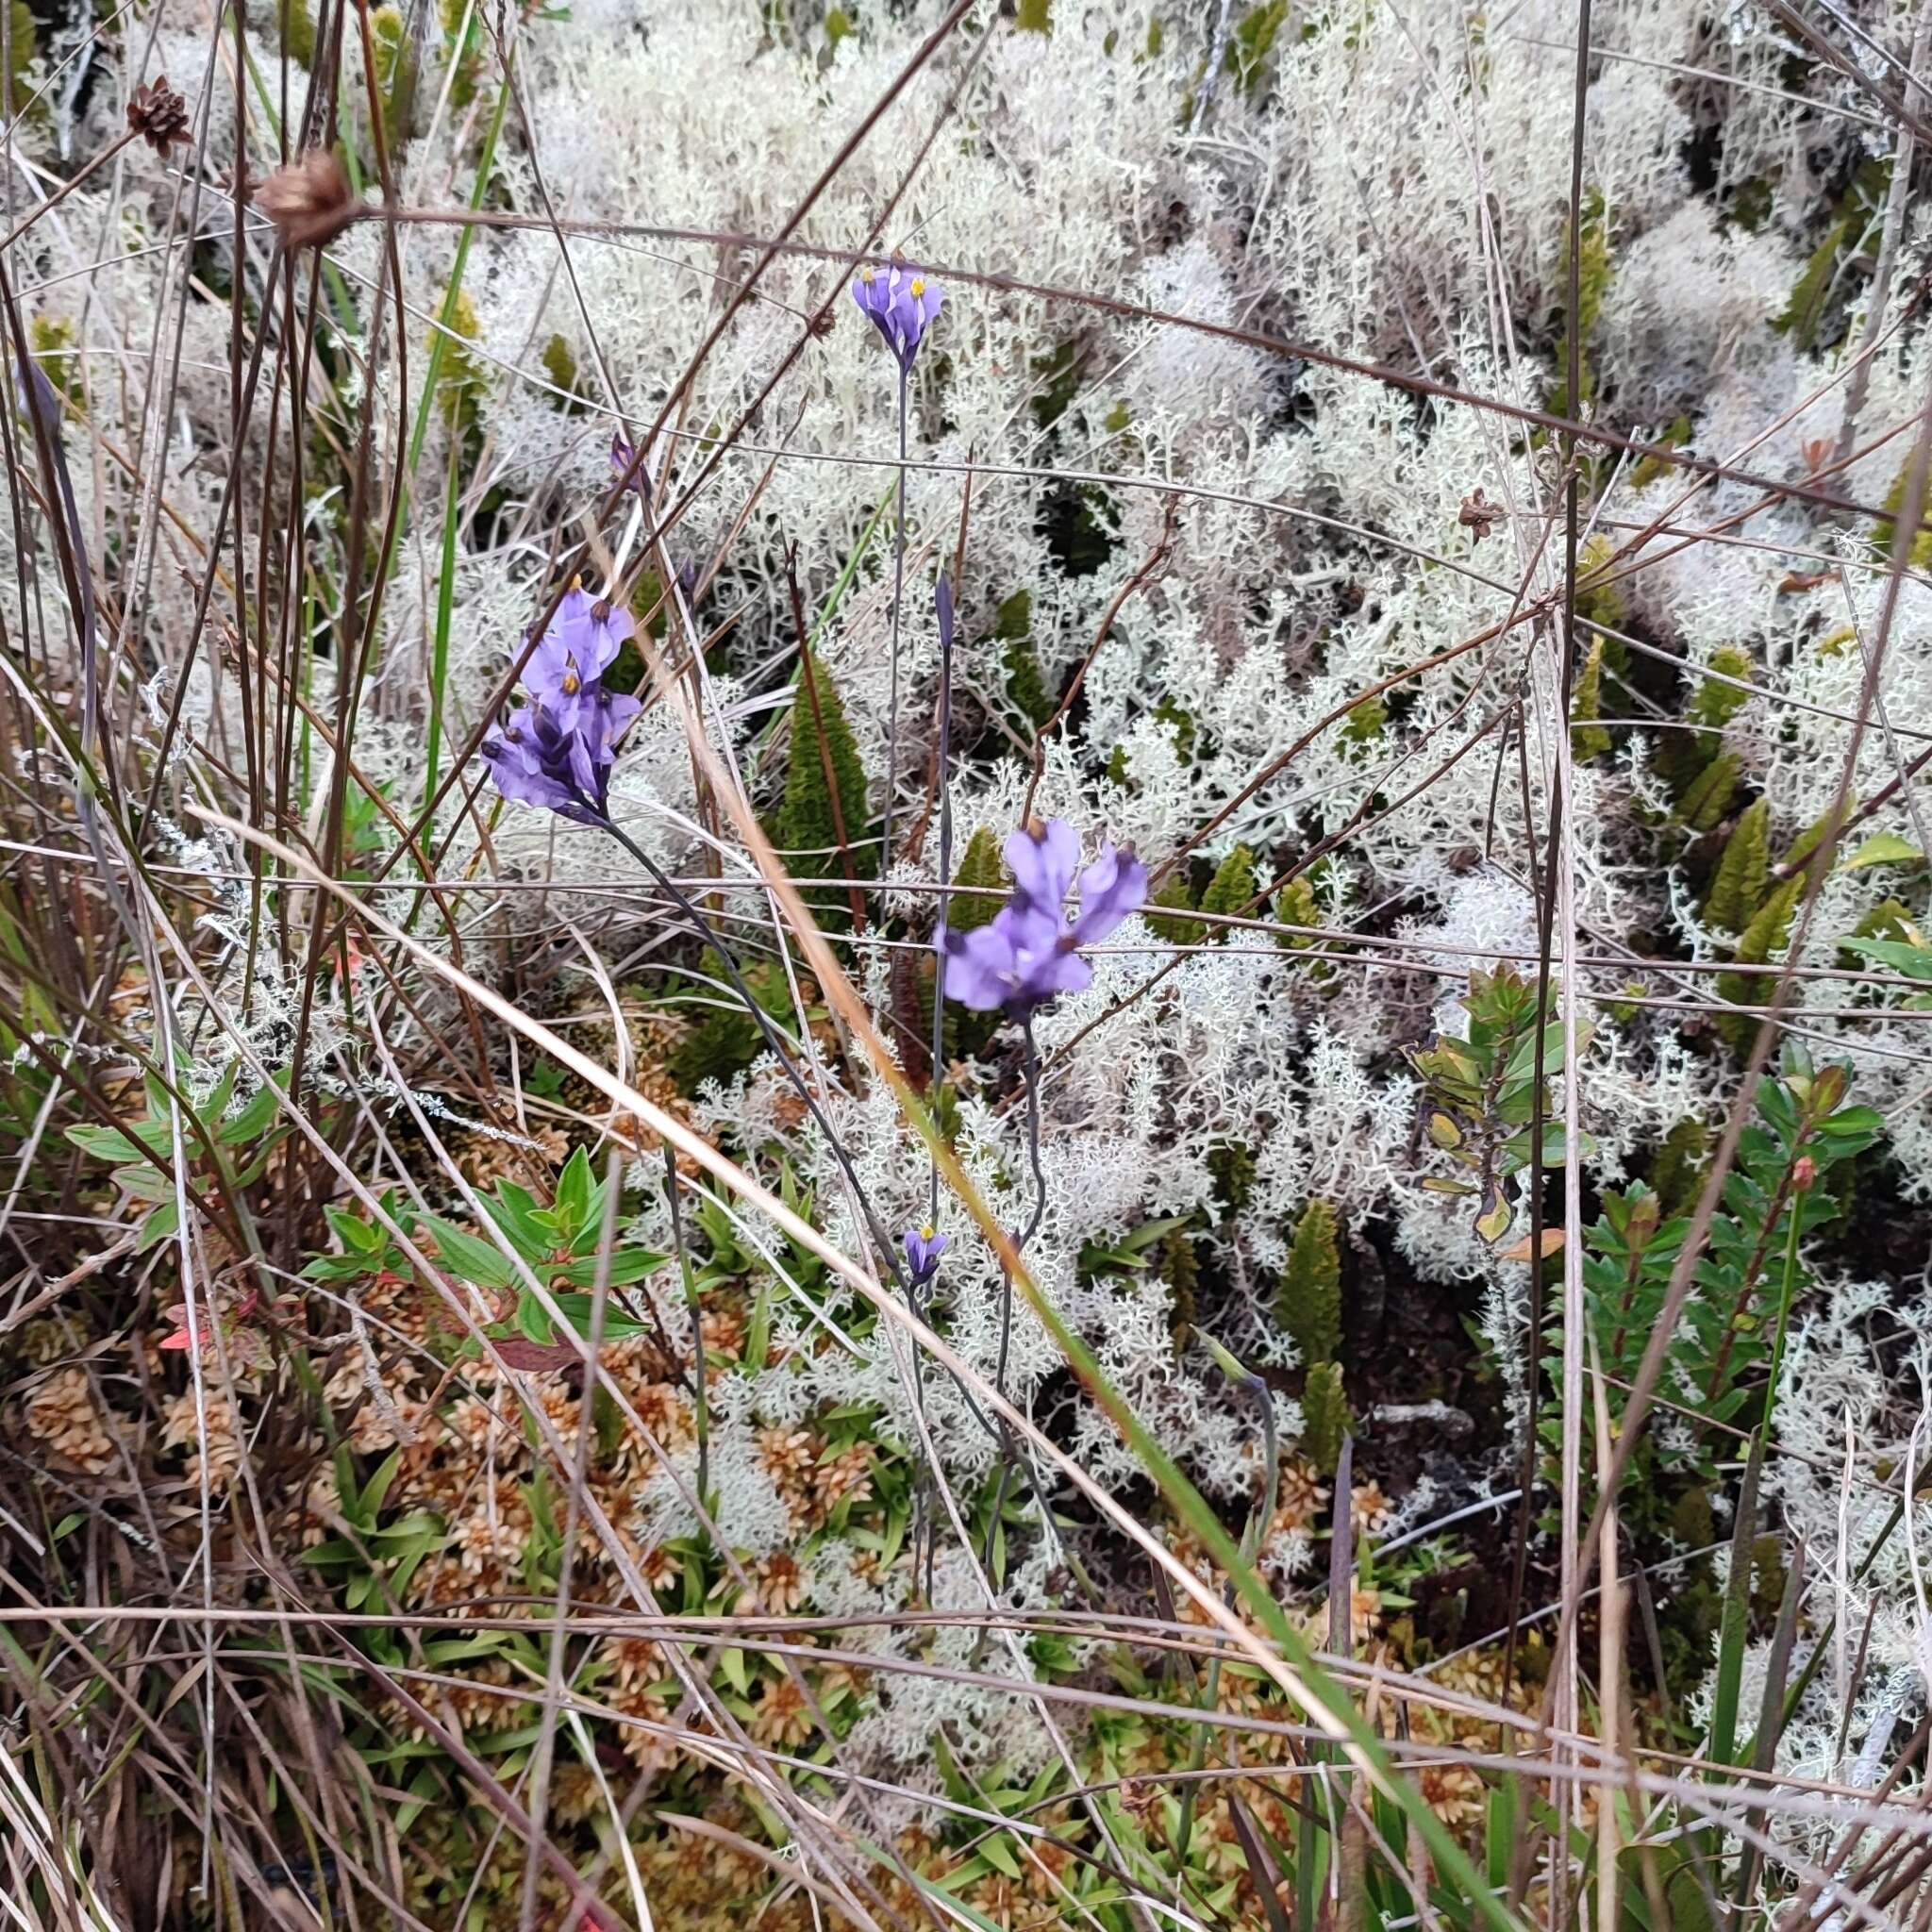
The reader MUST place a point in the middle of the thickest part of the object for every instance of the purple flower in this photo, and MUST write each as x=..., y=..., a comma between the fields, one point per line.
x=922, y=1251
x=556, y=751
x=902, y=305
x=623, y=457
x=561, y=764
x=1028, y=954
x=578, y=645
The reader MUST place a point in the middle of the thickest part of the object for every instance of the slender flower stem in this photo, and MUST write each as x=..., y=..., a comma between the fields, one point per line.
x=1039, y=1197
x=699, y=1414
x=939, y=957
x=898, y=600
x=1016, y=1454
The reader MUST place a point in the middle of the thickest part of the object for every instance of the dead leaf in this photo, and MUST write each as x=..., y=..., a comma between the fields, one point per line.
x=1553, y=1239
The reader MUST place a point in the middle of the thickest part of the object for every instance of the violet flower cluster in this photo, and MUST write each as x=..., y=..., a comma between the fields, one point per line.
x=1029, y=951
x=557, y=750
x=922, y=1251
x=902, y=303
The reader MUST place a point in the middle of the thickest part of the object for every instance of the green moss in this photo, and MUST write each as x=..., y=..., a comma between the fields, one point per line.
x=560, y=366
x=1366, y=721
x=1588, y=739
x=1708, y=797
x=51, y=339
x=1175, y=894
x=1676, y=1175
x=814, y=818
x=1233, y=890
x=1232, y=1165
x=460, y=379
x=1034, y=16
x=296, y=26
x=395, y=55
x=1767, y=932
x=979, y=865
x=837, y=25
x=1737, y=890
x=1326, y=1417
x=1308, y=1304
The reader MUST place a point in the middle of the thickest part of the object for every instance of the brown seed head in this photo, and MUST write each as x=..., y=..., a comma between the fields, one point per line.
x=158, y=116
x=309, y=200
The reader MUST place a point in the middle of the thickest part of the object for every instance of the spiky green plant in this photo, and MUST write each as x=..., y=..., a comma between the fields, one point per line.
x=1708, y=795
x=1594, y=281
x=979, y=865
x=1326, y=1417
x=1769, y=928
x=460, y=380
x=1308, y=1301
x=1232, y=890
x=1180, y=1268
x=1738, y=888
x=1175, y=894
x=817, y=817
x=1588, y=739
x=1232, y=1165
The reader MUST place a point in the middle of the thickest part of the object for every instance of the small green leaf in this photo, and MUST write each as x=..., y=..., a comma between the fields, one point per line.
x=256, y=1116
x=1884, y=848
x=627, y=1266
x=470, y=1256
x=574, y=1188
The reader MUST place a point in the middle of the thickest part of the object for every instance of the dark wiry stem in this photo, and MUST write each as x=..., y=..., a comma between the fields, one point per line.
x=898, y=600
x=944, y=597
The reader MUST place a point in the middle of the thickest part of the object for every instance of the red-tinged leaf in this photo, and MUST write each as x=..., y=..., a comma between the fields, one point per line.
x=541, y=1357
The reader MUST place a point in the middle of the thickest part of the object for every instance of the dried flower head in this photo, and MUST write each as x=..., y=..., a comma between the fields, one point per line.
x=309, y=200
x=1479, y=515
x=158, y=116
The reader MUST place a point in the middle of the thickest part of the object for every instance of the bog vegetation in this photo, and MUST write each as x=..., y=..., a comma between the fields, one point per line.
x=965, y=964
